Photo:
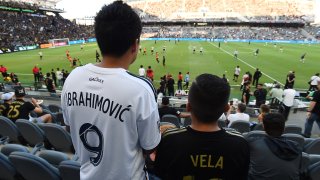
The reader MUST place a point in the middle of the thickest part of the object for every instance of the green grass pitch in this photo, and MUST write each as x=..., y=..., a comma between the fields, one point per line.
x=179, y=57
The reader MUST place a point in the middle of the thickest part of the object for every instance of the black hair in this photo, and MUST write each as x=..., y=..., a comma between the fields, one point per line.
x=274, y=124
x=117, y=27
x=242, y=107
x=208, y=97
x=48, y=74
x=165, y=101
x=141, y=66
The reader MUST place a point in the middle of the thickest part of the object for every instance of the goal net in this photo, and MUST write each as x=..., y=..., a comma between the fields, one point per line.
x=59, y=42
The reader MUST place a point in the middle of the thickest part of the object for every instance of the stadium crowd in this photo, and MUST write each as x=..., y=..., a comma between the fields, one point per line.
x=23, y=29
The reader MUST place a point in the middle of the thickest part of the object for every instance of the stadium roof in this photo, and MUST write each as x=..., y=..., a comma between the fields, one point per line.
x=46, y=3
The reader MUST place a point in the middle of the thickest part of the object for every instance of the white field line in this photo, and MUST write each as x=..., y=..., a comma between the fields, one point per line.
x=246, y=63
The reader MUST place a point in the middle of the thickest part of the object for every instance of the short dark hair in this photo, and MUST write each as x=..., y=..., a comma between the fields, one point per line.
x=48, y=74
x=165, y=101
x=264, y=108
x=274, y=124
x=208, y=97
x=242, y=107
x=117, y=27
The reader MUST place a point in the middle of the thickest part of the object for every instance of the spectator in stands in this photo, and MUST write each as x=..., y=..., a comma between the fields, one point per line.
x=180, y=78
x=288, y=99
x=59, y=76
x=276, y=93
x=7, y=100
x=290, y=79
x=142, y=71
x=150, y=73
x=170, y=85
x=162, y=88
x=313, y=112
x=203, y=150
x=14, y=78
x=136, y=126
x=35, y=72
x=54, y=77
x=239, y=115
x=314, y=82
x=273, y=156
x=246, y=94
x=3, y=71
x=261, y=95
x=256, y=76
x=166, y=109
x=20, y=109
x=50, y=84
x=186, y=80
x=264, y=110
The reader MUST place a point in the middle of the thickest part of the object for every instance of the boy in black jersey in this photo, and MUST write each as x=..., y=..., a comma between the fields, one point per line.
x=203, y=150
x=20, y=109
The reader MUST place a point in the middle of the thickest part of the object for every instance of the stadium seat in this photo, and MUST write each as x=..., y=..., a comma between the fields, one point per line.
x=9, y=148
x=294, y=129
x=53, y=157
x=58, y=137
x=8, y=128
x=70, y=170
x=171, y=119
x=187, y=122
x=32, y=167
x=30, y=132
x=304, y=164
x=255, y=134
x=222, y=123
x=314, y=171
x=258, y=127
x=251, y=111
x=54, y=108
x=7, y=170
x=296, y=138
x=313, y=147
x=241, y=126
x=314, y=158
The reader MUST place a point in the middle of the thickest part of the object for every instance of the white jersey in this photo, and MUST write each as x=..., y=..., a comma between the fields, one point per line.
x=201, y=49
x=235, y=52
x=288, y=97
x=40, y=53
x=152, y=48
x=59, y=75
x=112, y=115
x=142, y=72
x=237, y=71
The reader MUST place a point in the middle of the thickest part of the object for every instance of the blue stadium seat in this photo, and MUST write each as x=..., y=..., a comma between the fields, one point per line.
x=54, y=108
x=258, y=127
x=294, y=129
x=32, y=167
x=241, y=126
x=171, y=119
x=30, y=132
x=70, y=170
x=7, y=170
x=222, y=123
x=53, y=157
x=8, y=128
x=296, y=138
x=314, y=171
x=58, y=137
x=255, y=134
x=313, y=147
x=9, y=148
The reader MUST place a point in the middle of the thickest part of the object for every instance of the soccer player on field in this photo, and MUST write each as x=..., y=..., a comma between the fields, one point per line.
x=235, y=54
x=157, y=57
x=144, y=51
x=81, y=47
x=256, y=52
x=281, y=49
x=201, y=50
x=237, y=71
x=194, y=50
x=164, y=61
x=164, y=49
x=150, y=73
x=140, y=48
x=40, y=55
x=303, y=57
x=111, y=126
x=152, y=50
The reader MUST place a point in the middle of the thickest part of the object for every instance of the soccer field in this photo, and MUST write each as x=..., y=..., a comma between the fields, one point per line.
x=179, y=58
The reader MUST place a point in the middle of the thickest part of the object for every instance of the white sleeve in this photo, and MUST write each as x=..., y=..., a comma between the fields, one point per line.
x=64, y=108
x=148, y=123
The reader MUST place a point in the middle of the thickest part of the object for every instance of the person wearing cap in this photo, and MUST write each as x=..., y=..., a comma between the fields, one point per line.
x=20, y=109
x=165, y=109
x=7, y=98
x=313, y=112
x=314, y=82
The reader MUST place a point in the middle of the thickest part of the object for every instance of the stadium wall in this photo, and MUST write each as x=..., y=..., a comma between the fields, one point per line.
x=235, y=40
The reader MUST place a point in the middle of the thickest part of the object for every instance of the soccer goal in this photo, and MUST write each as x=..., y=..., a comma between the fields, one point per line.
x=59, y=42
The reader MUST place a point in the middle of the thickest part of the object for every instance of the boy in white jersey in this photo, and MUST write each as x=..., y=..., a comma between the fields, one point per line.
x=112, y=115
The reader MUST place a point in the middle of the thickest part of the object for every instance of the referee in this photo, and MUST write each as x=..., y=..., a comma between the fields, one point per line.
x=112, y=114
